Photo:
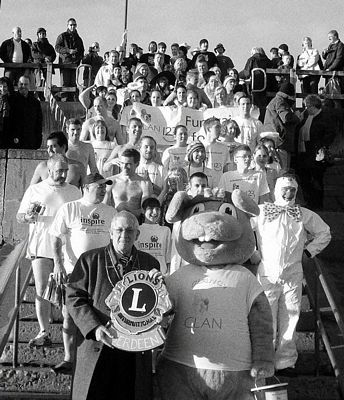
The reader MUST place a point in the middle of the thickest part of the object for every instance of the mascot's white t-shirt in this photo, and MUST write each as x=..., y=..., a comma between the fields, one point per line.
x=83, y=226
x=210, y=328
x=156, y=240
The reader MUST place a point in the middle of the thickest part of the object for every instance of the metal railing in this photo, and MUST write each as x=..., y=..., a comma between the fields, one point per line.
x=18, y=277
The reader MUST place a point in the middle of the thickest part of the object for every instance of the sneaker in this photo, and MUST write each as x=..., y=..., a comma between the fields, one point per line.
x=41, y=340
x=64, y=367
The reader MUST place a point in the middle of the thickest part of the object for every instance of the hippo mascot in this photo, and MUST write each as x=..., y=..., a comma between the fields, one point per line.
x=221, y=337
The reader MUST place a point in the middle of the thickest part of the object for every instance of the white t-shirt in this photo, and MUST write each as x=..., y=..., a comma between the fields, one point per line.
x=173, y=157
x=217, y=158
x=82, y=226
x=154, y=171
x=253, y=183
x=250, y=129
x=52, y=198
x=156, y=240
x=210, y=327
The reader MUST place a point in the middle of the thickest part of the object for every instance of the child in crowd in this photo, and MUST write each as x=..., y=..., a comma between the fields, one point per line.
x=285, y=232
x=252, y=182
x=196, y=159
x=102, y=145
x=174, y=156
x=259, y=163
x=217, y=153
x=148, y=166
x=155, y=239
x=192, y=100
x=155, y=98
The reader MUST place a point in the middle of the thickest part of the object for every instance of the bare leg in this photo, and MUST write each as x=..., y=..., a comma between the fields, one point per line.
x=41, y=268
x=68, y=335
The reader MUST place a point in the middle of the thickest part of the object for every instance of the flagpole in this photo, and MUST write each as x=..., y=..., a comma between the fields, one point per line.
x=125, y=15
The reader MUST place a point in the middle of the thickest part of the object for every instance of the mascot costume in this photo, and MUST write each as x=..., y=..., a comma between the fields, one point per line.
x=221, y=337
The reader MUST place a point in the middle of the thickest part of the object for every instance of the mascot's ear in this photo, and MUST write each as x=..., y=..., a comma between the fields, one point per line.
x=244, y=202
x=175, y=210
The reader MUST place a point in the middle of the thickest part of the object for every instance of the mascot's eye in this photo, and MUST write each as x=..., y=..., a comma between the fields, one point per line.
x=229, y=209
x=197, y=208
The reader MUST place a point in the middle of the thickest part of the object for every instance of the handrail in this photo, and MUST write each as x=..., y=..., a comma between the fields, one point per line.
x=14, y=268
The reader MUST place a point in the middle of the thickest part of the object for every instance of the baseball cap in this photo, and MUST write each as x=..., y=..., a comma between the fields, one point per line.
x=96, y=178
x=39, y=30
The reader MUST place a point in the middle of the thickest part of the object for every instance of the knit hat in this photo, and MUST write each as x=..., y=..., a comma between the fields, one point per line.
x=192, y=147
x=288, y=89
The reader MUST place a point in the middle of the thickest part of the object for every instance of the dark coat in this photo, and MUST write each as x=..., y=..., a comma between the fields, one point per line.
x=25, y=122
x=43, y=49
x=7, y=49
x=256, y=61
x=86, y=292
x=321, y=134
x=334, y=57
x=67, y=41
x=279, y=117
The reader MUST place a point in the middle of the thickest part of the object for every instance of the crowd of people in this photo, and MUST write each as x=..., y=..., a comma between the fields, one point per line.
x=106, y=183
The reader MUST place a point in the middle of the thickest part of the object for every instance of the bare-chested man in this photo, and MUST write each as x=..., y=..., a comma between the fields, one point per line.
x=128, y=189
x=114, y=128
x=78, y=150
x=134, y=131
x=57, y=143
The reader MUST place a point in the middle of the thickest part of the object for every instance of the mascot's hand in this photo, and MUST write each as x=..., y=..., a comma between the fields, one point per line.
x=256, y=257
x=262, y=369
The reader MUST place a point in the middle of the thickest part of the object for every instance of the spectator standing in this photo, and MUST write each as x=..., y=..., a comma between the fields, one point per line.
x=94, y=60
x=280, y=117
x=15, y=50
x=310, y=60
x=70, y=47
x=249, y=127
x=5, y=91
x=209, y=56
x=25, y=118
x=223, y=61
x=38, y=208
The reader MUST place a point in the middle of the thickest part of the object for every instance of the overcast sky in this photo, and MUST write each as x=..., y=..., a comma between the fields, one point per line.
x=239, y=25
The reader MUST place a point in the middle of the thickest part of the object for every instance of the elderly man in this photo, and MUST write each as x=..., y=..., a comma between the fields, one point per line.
x=15, y=50
x=38, y=208
x=25, y=118
x=70, y=47
x=57, y=143
x=79, y=226
x=101, y=370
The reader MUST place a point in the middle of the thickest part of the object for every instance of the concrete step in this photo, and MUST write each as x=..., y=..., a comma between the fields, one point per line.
x=28, y=329
x=39, y=380
x=37, y=356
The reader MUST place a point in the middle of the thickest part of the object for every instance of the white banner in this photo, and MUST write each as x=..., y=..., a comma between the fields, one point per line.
x=159, y=122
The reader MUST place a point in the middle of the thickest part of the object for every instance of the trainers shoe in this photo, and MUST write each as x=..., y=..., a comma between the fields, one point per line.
x=41, y=340
x=64, y=367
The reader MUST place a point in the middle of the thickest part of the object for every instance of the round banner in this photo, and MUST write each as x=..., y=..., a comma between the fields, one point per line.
x=137, y=305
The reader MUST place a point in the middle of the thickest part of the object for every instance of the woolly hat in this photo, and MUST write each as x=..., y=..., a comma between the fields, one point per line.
x=283, y=47
x=192, y=147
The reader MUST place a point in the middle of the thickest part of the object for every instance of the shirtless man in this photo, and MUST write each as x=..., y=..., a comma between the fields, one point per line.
x=77, y=150
x=114, y=128
x=128, y=189
x=134, y=131
x=57, y=144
